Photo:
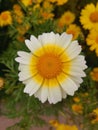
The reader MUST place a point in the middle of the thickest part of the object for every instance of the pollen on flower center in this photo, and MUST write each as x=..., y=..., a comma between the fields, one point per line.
x=94, y=17
x=49, y=65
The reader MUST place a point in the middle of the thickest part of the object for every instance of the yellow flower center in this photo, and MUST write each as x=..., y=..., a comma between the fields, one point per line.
x=4, y=16
x=94, y=17
x=49, y=65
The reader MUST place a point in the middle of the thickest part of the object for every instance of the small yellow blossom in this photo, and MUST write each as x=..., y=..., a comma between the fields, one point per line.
x=66, y=127
x=47, y=6
x=5, y=18
x=59, y=126
x=77, y=108
x=94, y=74
x=59, y=2
x=89, y=16
x=18, y=14
x=20, y=38
x=26, y=2
x=76, y=99
x=1, y=83
x=16, y=7
x=54, y=123
x=74, y=30
x=47, y=15
x=95, y=120
x=85, y=94
x=92, y=41
x=66, y=19
x=22, y=29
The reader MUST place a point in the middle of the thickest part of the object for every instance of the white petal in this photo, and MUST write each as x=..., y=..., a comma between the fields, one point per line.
x=65, y=40
x=73, y=49
x=23, y=75
x=23, y=67
x=31, y=87
x=24, y=57
x=37, y=94
x=69, y=86
x=33, y=45
x=42, y=93
x=74, y=72
x=24, y=60
x=47, y=38
x=80, y=62
x=55, y=94
x=64, y=94
x=24, y=54
x=78, y=80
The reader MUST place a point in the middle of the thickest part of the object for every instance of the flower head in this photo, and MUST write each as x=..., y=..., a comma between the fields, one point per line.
x=94, y=74
x=26, y=2
x=1, y=83
x=66, y=127
x=89, y=16
x=77, y=108
x=92, y=41
x=60, y=126
x=18, y=14
x=95, y=113
x=66, y=19
x=74, y=30
x=53, y=69
x=59, y=2
x=5, y=18
x=76, y=99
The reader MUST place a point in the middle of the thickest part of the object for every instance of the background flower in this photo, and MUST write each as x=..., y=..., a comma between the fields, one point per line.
x=92, y=41
x=89, y=16
x=5, y=18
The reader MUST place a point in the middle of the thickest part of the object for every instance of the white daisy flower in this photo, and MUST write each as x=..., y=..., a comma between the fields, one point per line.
x=53, y=69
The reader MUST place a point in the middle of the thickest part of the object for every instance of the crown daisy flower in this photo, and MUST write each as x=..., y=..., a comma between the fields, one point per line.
x=5, y=18
x=89, y=16
x=53, y=69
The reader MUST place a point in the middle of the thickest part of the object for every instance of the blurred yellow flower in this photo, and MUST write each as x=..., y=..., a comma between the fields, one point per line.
x=94, y=74
x=20, y=38
x=76, y=99
x=47, y=15
x=54, y=123
x=89, y=16
x=92, y=41
x=66, y=127
x=5, y=18
x=22, y=29
x=59, y=2
x=16, y=7
x=66, y=19
x=17, y=13
x=59, y=126
x=26, y=2
x=74, y=30
x=95, y=112
x=1, y=82
x=47, y=6
x=85, y=94
x=77, y=108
